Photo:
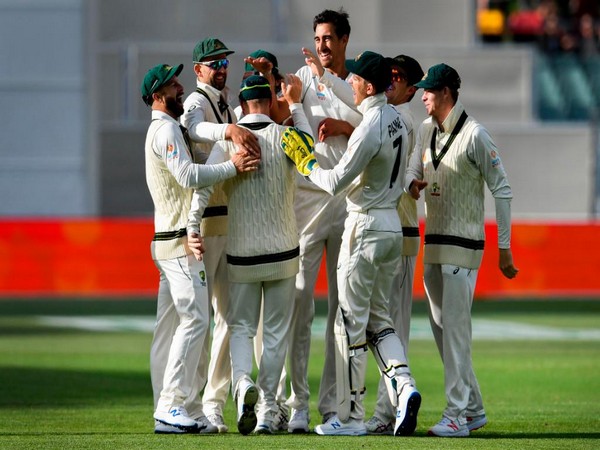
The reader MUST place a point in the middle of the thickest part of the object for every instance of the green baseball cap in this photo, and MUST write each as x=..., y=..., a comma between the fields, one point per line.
x=209, y=47
x=410, y=66
x=373, y=67
x=255, y=87
x=438, y=77
x=156, y=77
x=260, y=54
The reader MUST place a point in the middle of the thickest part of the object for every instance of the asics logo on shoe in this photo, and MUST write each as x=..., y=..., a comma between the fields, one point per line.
x=453, y=426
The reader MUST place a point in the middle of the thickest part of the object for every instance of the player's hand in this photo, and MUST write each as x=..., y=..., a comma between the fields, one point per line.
x=196, y=244
x=299, y=147
x=506, y=263
x=416, y=187
x=243, y=138
x=313, y=62
x=244, y=161
x=291, y=87
x=262, y=64
x=334, y=127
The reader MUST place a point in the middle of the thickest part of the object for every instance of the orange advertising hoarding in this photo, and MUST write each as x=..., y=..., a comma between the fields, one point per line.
x=111, y=258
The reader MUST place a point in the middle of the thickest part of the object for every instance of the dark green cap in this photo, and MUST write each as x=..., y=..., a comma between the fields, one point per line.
x=438, y=77
x=372, y=67
x=209, y=47
x=260, y=54
x=255, y=87
x=156, y=77
x=410, y=66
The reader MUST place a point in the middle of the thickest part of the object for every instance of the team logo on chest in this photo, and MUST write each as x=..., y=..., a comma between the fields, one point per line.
x=435, y=190
x=321, y=92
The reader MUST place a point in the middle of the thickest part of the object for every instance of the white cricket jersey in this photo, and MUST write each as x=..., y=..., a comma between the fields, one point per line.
x=171, y=174
x=454, y=196
x=206, y=119
x=374, y=164
x=320, y=102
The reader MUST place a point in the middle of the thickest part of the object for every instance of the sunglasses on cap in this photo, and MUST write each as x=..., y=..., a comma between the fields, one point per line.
x=215, y=65
x=398, y=75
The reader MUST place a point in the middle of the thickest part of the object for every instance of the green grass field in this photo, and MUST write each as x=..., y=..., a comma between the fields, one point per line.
x=64, y=387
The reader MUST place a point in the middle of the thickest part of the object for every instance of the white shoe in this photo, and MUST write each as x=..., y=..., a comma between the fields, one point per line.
x=377, y=426
x=448, y=428
x=217, y=421
x=280, y=423
x=206, y=426
x=163, y=428
x=409, y=402
x=476, y=422
x=334, y=427
x=179, y=418
x=299, y=422
x=246, y=400
x=328, y=416
x=266, y=424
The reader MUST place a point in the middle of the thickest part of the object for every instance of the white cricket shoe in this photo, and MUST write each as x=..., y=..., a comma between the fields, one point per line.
x=409, y=402
x=247, y=396
x=280, y=422
x=217, y=421
x=206, y=426
x=163, y=428
x=377, y=426
x=266, y=423
x=298, y=424
x=448, y=428
x=177, y=417
x=335, y=427
x=476, y=422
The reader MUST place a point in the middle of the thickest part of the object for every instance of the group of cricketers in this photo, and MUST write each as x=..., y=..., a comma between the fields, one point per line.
x=326, y=164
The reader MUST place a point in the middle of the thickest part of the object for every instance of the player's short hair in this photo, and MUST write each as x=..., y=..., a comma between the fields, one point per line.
x=339, y=19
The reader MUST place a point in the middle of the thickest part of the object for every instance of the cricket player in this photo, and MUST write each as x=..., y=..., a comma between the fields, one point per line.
x=454, y=157
x=209, y=118
x=262, y=254
x=182, y=311
x=372, y=169
x=320, y=216
x=406, y=71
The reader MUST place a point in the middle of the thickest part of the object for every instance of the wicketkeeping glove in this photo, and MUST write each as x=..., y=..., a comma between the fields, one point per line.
x=299, y=147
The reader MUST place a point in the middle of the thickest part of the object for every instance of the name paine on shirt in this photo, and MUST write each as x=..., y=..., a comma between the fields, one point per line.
x=395, y=126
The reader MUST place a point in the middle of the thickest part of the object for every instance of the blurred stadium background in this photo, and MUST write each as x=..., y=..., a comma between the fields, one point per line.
x=75, y=215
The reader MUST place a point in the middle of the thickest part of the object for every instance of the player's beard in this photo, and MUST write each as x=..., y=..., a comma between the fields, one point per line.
x=175, y=106
x=220, y=83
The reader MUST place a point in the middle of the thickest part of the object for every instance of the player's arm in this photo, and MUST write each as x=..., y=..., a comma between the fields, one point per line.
x=194, y=119
x=413, y=180
x=200, y=199
x=482, y=151
x=292, y=91
x=353, y=162
x=171, y=147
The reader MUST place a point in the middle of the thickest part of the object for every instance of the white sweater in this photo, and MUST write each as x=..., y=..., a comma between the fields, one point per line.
x=262, y=243
x=171, y=176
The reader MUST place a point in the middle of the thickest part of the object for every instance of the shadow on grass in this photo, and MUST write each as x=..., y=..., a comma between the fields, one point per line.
x=52, y=387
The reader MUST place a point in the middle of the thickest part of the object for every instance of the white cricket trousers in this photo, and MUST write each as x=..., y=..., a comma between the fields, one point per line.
x=369, y=258
x=182, y=321
x=450, y=291
x=243, y=317
x=320, y=219
x=401, y=298
x=217, y=368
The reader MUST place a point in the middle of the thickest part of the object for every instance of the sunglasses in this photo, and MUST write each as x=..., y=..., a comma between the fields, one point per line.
x=215, y=65
x=398, y=75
